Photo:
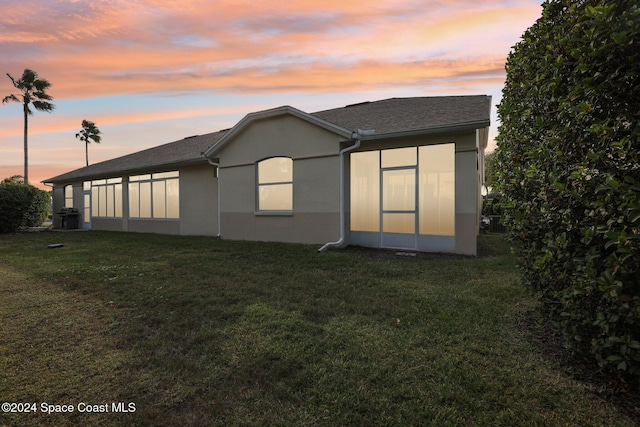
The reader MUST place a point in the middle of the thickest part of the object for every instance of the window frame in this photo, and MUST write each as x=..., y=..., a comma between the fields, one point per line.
x=68, y=196
x=287, y=183
x=107, y=198
x=443, y=222
x=367, y=193
x=153, y=181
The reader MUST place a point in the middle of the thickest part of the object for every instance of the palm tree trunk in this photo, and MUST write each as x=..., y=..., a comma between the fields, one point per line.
x=26, y=148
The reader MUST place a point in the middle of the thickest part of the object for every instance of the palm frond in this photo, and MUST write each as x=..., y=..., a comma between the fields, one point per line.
x=89, y=132
x=10, y=98
x=41, y=85
x=12, y=80
x=42, y=95
x=43, y=106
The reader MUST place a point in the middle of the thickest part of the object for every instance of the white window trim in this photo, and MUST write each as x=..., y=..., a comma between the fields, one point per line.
x=273, y=212
x=68, y=198
x=95, y=204
x=150, y=178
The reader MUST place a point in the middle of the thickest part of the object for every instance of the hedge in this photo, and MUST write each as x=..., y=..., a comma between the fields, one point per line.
x=22, y=206
x=568, y=166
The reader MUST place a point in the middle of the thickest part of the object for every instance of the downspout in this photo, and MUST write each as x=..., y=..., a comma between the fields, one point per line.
x=357, y=136
x=217, y=166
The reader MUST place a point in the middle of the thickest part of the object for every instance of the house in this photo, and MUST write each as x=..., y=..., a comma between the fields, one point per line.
x=402, y=173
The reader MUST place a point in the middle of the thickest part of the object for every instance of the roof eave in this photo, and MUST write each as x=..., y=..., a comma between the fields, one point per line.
x=123, y=172
x=462, y=127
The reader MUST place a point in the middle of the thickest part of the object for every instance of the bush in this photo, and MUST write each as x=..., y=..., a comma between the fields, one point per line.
x=569, y=170
x=491, y=205
x=22, y=206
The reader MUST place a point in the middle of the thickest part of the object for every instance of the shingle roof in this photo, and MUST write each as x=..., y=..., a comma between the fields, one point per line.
x=389, y=116
x=411, y=114
x=184, y=151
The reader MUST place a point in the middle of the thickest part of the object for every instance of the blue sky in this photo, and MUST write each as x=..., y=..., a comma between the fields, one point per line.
x=151, y=72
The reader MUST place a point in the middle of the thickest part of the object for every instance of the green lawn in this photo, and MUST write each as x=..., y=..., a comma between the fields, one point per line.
x=197, y=331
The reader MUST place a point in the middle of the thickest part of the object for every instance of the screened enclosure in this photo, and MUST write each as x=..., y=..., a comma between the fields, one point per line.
x=404, y=197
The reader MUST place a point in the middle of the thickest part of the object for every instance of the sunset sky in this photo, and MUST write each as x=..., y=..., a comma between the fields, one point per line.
x=148, y=72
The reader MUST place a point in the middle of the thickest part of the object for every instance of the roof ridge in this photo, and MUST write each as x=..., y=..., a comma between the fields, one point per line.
x=400, y=98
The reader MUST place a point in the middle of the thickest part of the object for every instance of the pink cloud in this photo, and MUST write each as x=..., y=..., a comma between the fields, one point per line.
x=92, y=50
x=95, y=48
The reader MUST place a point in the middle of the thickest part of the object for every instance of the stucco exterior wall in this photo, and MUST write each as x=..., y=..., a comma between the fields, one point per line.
x=108, y=224
x=467, y=195
x=315, y=215
x=284, y=135
x=58, y=204
x=158, y=226
x=198, y=207
x=198, y=201
x=59, y=201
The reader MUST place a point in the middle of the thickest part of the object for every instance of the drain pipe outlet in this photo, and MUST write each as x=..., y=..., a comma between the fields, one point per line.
x=357, y=136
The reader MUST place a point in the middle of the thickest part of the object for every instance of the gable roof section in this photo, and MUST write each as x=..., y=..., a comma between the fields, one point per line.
x=178, y=153
x=394, y=117
x=266, y=114
x=406, y=116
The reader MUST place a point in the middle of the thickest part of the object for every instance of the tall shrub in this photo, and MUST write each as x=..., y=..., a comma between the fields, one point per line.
x=21, y=206
x=569, y=168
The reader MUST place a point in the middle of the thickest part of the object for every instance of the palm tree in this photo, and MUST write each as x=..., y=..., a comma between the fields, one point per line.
x=89, y=132
x=33, y=91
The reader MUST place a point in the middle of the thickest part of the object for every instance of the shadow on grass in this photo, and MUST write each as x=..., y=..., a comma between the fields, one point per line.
x=198, y=331
x=617, y=389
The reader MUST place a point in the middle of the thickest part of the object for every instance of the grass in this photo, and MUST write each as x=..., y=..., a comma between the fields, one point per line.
x=197, y=331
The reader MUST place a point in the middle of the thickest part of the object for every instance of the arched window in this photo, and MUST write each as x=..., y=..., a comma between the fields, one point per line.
x=275, y=184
